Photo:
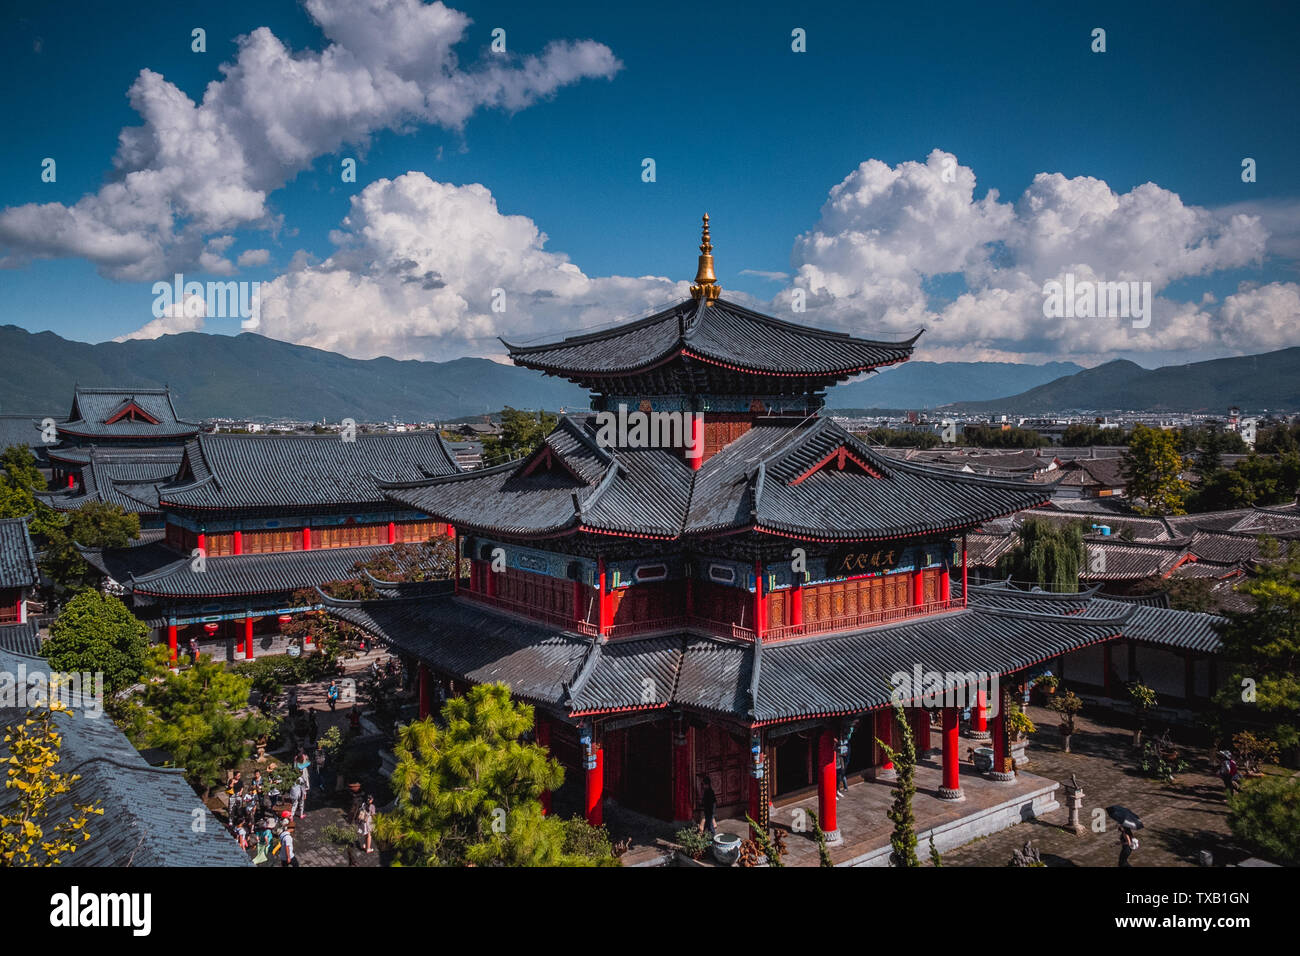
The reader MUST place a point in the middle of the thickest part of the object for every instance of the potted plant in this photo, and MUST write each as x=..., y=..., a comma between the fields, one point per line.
x=692, y=844
x=1144, y=701
x=1047, y=685
x=1019, y=727
x=1068, y=705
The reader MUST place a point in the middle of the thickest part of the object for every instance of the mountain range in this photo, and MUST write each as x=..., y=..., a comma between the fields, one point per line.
x=251, y=376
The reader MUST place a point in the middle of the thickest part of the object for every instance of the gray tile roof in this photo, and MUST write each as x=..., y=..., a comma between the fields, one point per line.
x=1003, y=631
x=25, y=430
x=17, y=557
x=223, y=472
x=126, y=477
x=24, y=639
x=149, y=812
x=92, y=408
x=723, y=334
x=758, y=480
x=281, y=572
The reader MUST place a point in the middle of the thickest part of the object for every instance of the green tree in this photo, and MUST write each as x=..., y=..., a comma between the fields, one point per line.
x=32, y=755
x=96, y=632
x=1263, y=646
x=96, y=524
x=1068, y=704
x=470, y=793
x=20, y=479
x=1266, y=815
x=1151, y=470
x=199, y=715
x=903, y=837
x=521, y=434
x=1048, y=554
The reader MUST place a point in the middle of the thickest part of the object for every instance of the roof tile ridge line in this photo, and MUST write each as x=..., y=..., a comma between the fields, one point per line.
x=385, y=485
x=755, y=669
x=1004, y=587
x=791, y=438
x=756, y=492
x=585, y=670
x=615, y=468
x=31, y=550
x=694, y=323
x=961, y=477
x=1026, y=615
x=590, y=336
x=581, y=434
x=823, y=333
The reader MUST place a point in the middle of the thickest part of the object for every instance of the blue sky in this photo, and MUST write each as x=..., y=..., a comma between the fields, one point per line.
x=740, y=126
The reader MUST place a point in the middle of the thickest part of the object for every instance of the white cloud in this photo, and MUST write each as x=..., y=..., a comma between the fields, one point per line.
x=254, y=257
x=190, y=171
x=185, y=316
x=417, y=271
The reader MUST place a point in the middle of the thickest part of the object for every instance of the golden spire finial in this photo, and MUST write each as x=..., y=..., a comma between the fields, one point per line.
x=706, y=283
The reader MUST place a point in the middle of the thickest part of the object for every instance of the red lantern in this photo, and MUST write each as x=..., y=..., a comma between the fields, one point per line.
x=211, y=628
x=285, y=619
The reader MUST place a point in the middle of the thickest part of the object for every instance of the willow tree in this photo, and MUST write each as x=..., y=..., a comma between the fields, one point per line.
x=1048, y=554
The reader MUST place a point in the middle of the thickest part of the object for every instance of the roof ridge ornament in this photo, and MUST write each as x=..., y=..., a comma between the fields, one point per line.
x=706, y=283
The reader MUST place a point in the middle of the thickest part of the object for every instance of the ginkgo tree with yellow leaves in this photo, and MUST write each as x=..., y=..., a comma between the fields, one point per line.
x=32, y=751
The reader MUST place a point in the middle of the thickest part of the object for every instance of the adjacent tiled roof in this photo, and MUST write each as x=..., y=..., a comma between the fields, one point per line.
x=723, y=334
x=126, y=477
x=149, y=812
x=454, y=637
x=25, y=430
x=17, y=557
x=22, y=639
x=1003, y=631
x=222, y=472
x=92, y=408
x=279, y=572
x=765, y=479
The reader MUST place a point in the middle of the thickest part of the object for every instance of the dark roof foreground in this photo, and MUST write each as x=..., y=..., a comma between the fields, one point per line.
x=768, y=479
x=222, y=472
x=718, y=333
x=149, y=812
x=17, y=556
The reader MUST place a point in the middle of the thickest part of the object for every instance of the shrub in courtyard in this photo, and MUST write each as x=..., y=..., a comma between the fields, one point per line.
x=1266, y=816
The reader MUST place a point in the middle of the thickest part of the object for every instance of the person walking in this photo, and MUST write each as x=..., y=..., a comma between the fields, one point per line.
x=297, y=800
x=366, y=823
x=194, y=650
x=332, y=694
x=708, y=808
x=313, y=728
x=1127, y=844
x=841, y=769
x=286, y=842
x=318, y=761
x=1228, y=773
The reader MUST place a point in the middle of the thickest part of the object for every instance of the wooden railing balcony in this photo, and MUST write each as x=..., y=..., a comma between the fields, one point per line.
x=857, y=622
x=850, y=622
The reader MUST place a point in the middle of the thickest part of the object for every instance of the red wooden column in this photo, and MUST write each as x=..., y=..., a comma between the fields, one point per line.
x=306, y=538
x=979, y=716
x=601, y=601
x=426, y=691
x=697, y=441
x=1002, y=772
x=542, y=732
x=922, y=732
x=796, y=605
x=171, y=640
x=239, y=542
x=683, y=782
x=945, y=584
x=760, y=602
x=248, y=638
x=392, y=532
x=826, y=787
x=595, y=766
x=72, y=482
x=951, y=789
x=964, y=599
x=201, y=542
x=883, y=722
x=918, y=587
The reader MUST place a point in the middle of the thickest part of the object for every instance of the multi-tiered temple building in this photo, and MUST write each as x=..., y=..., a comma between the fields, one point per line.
x=733, y=607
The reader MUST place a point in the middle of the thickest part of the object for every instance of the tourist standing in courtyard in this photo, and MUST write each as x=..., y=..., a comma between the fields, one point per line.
x=1127, y=844
x=708, y=808
x=332, y=695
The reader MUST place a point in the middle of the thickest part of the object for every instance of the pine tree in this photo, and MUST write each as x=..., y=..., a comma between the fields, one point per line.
x=469, y=794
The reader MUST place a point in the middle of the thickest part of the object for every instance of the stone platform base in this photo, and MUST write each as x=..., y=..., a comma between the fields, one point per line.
x=971, y=826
